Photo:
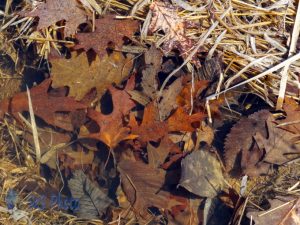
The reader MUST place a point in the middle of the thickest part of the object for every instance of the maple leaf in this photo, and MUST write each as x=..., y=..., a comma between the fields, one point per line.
x=165, y=18
x=111, y=126
x=57, y=10
x=81, y=76
x=45, y=105
x=142, y=185
x=108, y=30
x=151, y=128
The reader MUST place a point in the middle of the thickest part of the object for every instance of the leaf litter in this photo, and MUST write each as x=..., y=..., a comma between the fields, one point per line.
x=172, y=115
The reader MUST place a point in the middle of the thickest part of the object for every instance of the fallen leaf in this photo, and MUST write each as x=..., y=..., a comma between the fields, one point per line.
x=165, y=18
x=142, y=185
x=182, y=121
x=44, y=104
x=108, y=31
x=168, y=102
x=153, y=61
x=93, y=202
x=81, y=76
x=112, y=130
x=279, y=145
x=240, y=141
x=201, y=174
x=76, y=159
x=292, y=109
x=184, y=97
x=151, y=128
x=53, y=11
x=157, y=156
x=280, y=213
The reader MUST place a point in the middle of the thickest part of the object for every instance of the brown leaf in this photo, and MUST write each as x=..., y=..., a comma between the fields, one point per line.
x=281, y=212
x=201, y=174
x=108, y=31
x=292, y=110
x=168, y=101
x=57, y=10
x=279, y=144
x=184, y=98
x=153, y=60
x=165, y=18
x=142, y=185
x=151, y=128
x=81, y=76
x=111, y=126
x=44, y=104
x=157, y=156
x=240, y=140
x=181, y=121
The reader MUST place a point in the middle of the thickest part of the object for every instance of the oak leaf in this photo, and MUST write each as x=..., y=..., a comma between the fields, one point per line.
x=142, y=185
x=165, y=18
x=108, y=31
x=58, y=10
x=81, y=76
x=157, y=155
x=284, y=212
x=45, y=105
x=240, y=147
x=112, y=130
x=180, y=120
x=151, y=128
x=279, y=144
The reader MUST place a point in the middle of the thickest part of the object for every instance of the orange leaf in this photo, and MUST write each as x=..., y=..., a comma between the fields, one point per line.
x=181, y=121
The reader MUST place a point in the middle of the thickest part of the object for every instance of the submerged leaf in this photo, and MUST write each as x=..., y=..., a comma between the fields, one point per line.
x=93, y=202
x=201, y=174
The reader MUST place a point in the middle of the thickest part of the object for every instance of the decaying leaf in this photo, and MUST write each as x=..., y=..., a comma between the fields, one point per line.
x=279, y=145
x=168, y=102
x=184, y=97
x=180, y=120
x=260, y=142
x=45, y=106
x=143, y=185
x=201, y=174
x=108, y=32
x=53, y=11
x=93, y=201
x=240, y=140
x=112, y=130
x=292, y=109
x=157, y=156
x=151, y=128
x=153, y=60
x=282, y=212
x=81, y=76
x=165, y=18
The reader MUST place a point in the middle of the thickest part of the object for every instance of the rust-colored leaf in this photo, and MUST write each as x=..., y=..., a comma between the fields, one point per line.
x=143, y=185
x=111, y=126
x=157, y=156
x=53, y=11
x=45, y=105
x=151, y=128
x=182, y=121
x=108, y=31
x=81, y=76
